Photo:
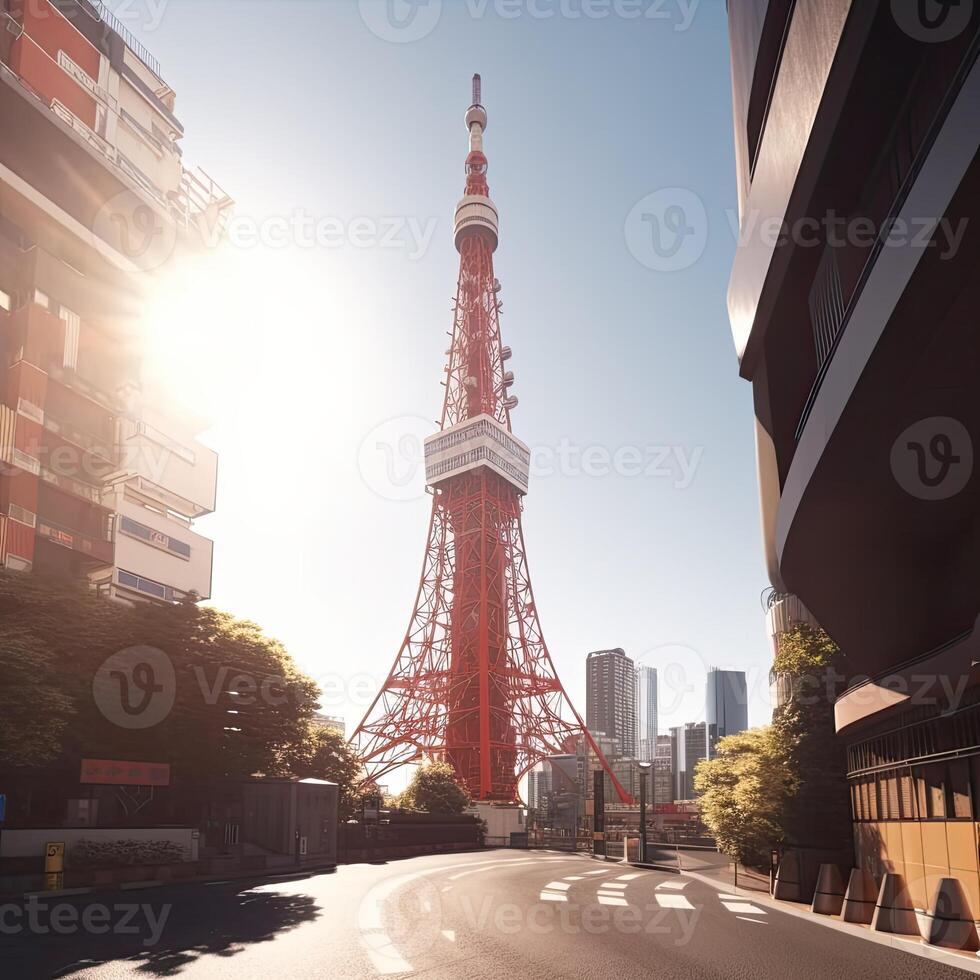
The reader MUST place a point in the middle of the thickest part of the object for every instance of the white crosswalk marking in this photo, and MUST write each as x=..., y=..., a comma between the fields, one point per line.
x=552, y=897
x=611, y=899
x=672, y=885
x=560, y=886
x=743, y=908
x=628, y=877
x=673, y=902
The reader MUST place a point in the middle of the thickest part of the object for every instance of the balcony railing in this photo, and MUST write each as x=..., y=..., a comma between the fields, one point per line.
x=127, y=35
x=98, y=548
x=197, y=197
x=98, y=446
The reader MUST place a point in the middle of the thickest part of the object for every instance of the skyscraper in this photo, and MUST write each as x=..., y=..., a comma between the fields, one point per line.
x=688, y=746
x=646, y=713
x=726, y=705
x=610, y=697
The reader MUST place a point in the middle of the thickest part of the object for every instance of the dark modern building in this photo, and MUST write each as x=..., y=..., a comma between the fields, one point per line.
x=726, y=705
x=856, y=136
x=610, y=697
x=688, y=746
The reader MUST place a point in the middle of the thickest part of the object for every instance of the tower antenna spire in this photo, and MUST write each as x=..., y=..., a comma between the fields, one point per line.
x=477, y=90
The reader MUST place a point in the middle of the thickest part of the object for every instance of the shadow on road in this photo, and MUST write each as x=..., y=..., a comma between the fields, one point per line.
x=190, y=925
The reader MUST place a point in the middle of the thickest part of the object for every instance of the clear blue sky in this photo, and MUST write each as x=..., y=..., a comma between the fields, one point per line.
x=299, y=106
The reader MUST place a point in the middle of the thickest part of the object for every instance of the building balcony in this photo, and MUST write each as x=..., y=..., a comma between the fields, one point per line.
x=95, y=445
x=152, y=546
x=96, y=548
x=179, y=473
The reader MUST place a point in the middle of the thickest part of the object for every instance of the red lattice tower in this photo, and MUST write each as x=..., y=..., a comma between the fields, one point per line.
x=473, y=683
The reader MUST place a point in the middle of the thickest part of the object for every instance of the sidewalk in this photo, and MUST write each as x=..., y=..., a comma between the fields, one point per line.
x=283, y=872
x=723, y=879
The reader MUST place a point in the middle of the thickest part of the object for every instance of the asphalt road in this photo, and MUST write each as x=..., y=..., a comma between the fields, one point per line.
x=534, y=916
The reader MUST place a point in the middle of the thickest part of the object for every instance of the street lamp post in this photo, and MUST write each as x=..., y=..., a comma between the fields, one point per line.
x=644, y=766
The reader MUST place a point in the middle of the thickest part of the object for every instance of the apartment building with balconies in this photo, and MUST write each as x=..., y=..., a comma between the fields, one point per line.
x=98, y=478
x=853, y=301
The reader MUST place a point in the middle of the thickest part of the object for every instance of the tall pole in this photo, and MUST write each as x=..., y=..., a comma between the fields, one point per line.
x=643, y=815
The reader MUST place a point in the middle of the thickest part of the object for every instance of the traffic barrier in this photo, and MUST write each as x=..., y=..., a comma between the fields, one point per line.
x=950, y=921
x=893, y=910
x=828, y=899
x=787, y=886
x=860, y=897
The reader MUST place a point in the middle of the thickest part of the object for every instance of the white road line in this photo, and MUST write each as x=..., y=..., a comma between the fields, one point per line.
x=552, y=897
x=618, y=885
x=758, y=922
x=611, y=900
x=496, y=866
x=378, y=946
x=601, y=871
x=559, y=886
x=671, y=885
x=673, y=902
x=743, y=908
x=628, y=877
x=449, y=934
x=572, y=878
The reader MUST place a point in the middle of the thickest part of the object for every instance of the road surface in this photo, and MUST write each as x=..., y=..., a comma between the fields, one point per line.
x=527, y=915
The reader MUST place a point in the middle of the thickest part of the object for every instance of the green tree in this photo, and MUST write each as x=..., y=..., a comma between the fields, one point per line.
x=34, y=712
x=745, y=789
x=239, y=702
x=434, y=789
x=819, y=811
x=785, y=783
x=326, y=754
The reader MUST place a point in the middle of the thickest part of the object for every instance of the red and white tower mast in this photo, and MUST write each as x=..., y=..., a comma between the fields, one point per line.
x=473, y=683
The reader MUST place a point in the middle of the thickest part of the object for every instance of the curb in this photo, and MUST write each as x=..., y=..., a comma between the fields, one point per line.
x=907, y=944
x=282, y=875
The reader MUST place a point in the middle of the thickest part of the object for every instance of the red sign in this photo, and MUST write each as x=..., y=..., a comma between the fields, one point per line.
x=116, y=772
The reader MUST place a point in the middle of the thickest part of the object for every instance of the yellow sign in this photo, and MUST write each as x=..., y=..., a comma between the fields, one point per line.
x=54, y=864
x=54, y=857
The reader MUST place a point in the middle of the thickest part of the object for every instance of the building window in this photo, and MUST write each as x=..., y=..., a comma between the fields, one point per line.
x=141, y=584
x=5, y=301
x=960, y=801
x=930, y=783
x=22, y=515
x=73, y=327
x=156, y=538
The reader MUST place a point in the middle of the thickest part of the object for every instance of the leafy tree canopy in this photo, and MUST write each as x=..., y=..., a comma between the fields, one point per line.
x=238, y=701
x=434, y=789
x=325, y=754
x=745, y=788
